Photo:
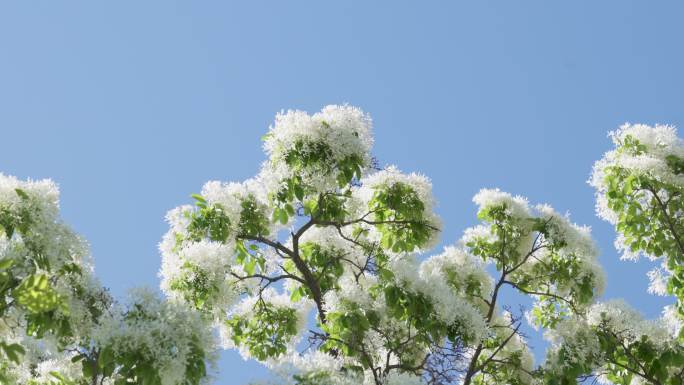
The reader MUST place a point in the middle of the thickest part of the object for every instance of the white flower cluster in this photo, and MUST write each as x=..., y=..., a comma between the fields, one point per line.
x=397, y=378
x=354, y=296
x=580, y=343
x=41, y=243
x=39, y=365
x=578, y=243
x=516, y=206
x=452, y=305
x=457, y=269
x=618, y=315
x=213, y=259
x=344, y=131
x=658, y=278
x=352, y=291
x=43, y=197
x=327, y=371
x=353, y=258
x=312, y=361
x=671, y=321
x=659, y=142
x=37, y=203
x=323, y=367
x=515, y=349
x=40, y=359
x=158, y=332
x=576, y=240
x=655, y=145
x=246, y=309
x=211, y=265
x=388, y=177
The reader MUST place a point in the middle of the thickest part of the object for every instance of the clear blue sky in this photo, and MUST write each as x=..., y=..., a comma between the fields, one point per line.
x=131, y=106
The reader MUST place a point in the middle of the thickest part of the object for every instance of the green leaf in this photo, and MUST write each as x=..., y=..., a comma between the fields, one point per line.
x=36, y=295
x=13, y=351
x=6, y=263
x=22, y=194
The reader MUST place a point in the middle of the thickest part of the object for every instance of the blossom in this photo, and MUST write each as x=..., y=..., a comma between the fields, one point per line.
x=336, y=133
x=516, y=206
x=451, y=305
x=658, y=280
x=618, y=315
x=417, y=184
x=161, y=334
x=261, y=308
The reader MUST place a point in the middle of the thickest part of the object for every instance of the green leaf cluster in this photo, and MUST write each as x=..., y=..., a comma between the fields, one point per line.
x=399, y=214
x=266, y=331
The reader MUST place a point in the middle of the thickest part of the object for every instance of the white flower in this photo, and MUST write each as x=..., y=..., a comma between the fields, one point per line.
x=658, y=280
x=247, y=306
x=619, y=316
x=450, y=305
x=396, y=378
x=162, y=332
x=420, y=184
x=671, y=320
x=515, y=206
x=345, y=131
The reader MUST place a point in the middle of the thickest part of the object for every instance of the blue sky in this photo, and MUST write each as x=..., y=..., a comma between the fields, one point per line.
x=131, y=106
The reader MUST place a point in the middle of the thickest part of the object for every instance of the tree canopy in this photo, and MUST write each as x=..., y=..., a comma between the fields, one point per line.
x=322, y=268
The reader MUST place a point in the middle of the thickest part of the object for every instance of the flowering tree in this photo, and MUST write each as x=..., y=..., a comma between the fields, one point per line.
x=316, y=267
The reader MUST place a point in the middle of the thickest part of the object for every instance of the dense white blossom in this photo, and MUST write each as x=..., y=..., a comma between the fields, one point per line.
x=578, y=243
x=351, y=290
x=344, y=131
x=160, y=332
x=659, y=142
x=40, y=358
x=658, y=278
x=347, y=129
x=516, y=206
x=212, y=260
x=246, y=309
x=44, y=196
x=329, y=238
x=420, y=184
x=40, y=201
x=397, y=378
x=671, y=321
x=450, y=305
x=618, y=315
x=453, y=270
x=579, y=344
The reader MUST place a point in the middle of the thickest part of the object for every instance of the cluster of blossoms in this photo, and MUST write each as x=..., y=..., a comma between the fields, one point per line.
x=640, y=189
x=59, y=326
x=47, y=290
x=322, y=150
x=643, y=150
x=42, y=362
x=154, y=339
x=542, y=253
x=612, y=337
